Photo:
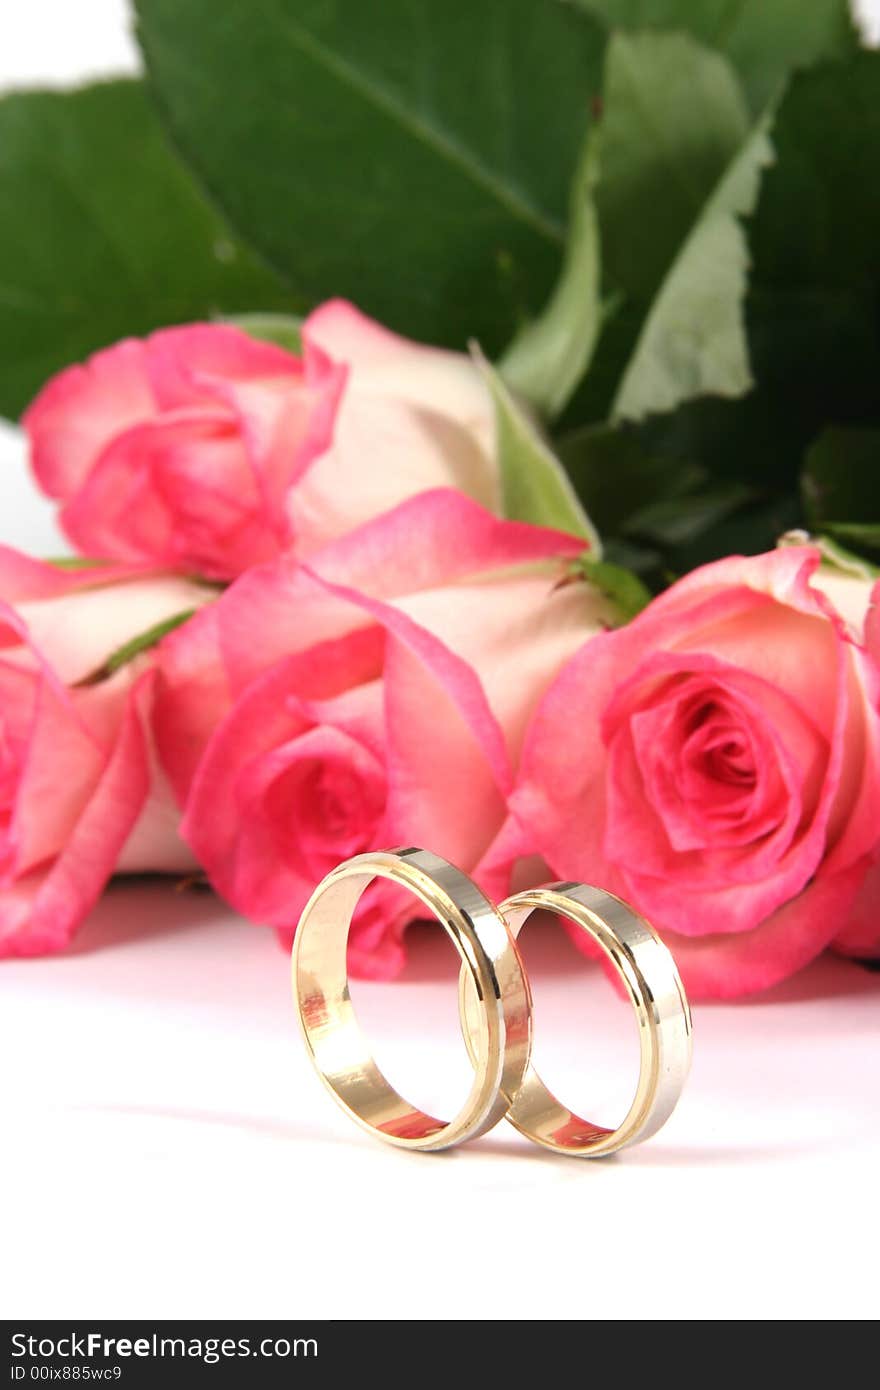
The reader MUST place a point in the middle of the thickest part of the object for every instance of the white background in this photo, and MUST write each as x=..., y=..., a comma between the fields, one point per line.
x=167, y=1151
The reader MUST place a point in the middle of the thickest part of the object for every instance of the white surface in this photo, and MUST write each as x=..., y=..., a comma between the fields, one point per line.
x=58, y=43
x=27, y=518
x=867, y=12
x=167, y=1150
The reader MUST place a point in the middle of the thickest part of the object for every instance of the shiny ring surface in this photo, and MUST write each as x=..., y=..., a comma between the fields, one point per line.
x=655, y=990
x=501, y=1013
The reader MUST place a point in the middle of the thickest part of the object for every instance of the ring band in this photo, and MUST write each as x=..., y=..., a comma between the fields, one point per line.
x=655, y=990
x=501, y=1015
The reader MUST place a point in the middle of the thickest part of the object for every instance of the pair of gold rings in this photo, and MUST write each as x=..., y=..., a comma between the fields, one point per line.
x=495, y=1006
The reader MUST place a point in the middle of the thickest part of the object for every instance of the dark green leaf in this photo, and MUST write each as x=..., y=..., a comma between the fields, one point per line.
x=763, y=39
x=659, y=512
x=549, y=356
x=863, y=535
x=753, y=438
x=614, y=473
x=841, y=480
x=103, y=234
x=415, y=156
x=675, y=521
x=673, y=120
x=749, y=530
x=676, y=167
x=693, y=340
x=639, y=559
x=812, y=311
x=814, y=305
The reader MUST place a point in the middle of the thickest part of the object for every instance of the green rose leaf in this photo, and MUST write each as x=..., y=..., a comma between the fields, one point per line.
x=614, y=472
x=674, y=119
x=841, y=480
x=626, y=592
x=865, y=536
x=811, y=315
x=549, y=357
x=283, y=330
x=814, y=343
x=534, y=485
x=677, y=521
x=413, y=156
x=763, y=39
x=103, y=234
x=663, y=513
x=676, y=167
x=693, y=341
x=815, y=284
x=843, y=560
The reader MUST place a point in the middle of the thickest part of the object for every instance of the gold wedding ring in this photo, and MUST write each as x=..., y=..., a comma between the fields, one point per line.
x=500, y=1016
x=495, y=1007
x=655, y=990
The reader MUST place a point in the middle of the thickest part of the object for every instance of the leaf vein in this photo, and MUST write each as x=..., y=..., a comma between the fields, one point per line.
x=440, y=141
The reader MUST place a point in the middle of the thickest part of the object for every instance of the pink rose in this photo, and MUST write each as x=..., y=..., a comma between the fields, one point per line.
x=79, y=796
x=202, y=449
x=717, y=762
x=411, y=418
x=860, y=935
x=376, y=696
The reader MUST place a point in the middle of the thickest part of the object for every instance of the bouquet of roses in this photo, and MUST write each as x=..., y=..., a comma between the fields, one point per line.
x=584, y=589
